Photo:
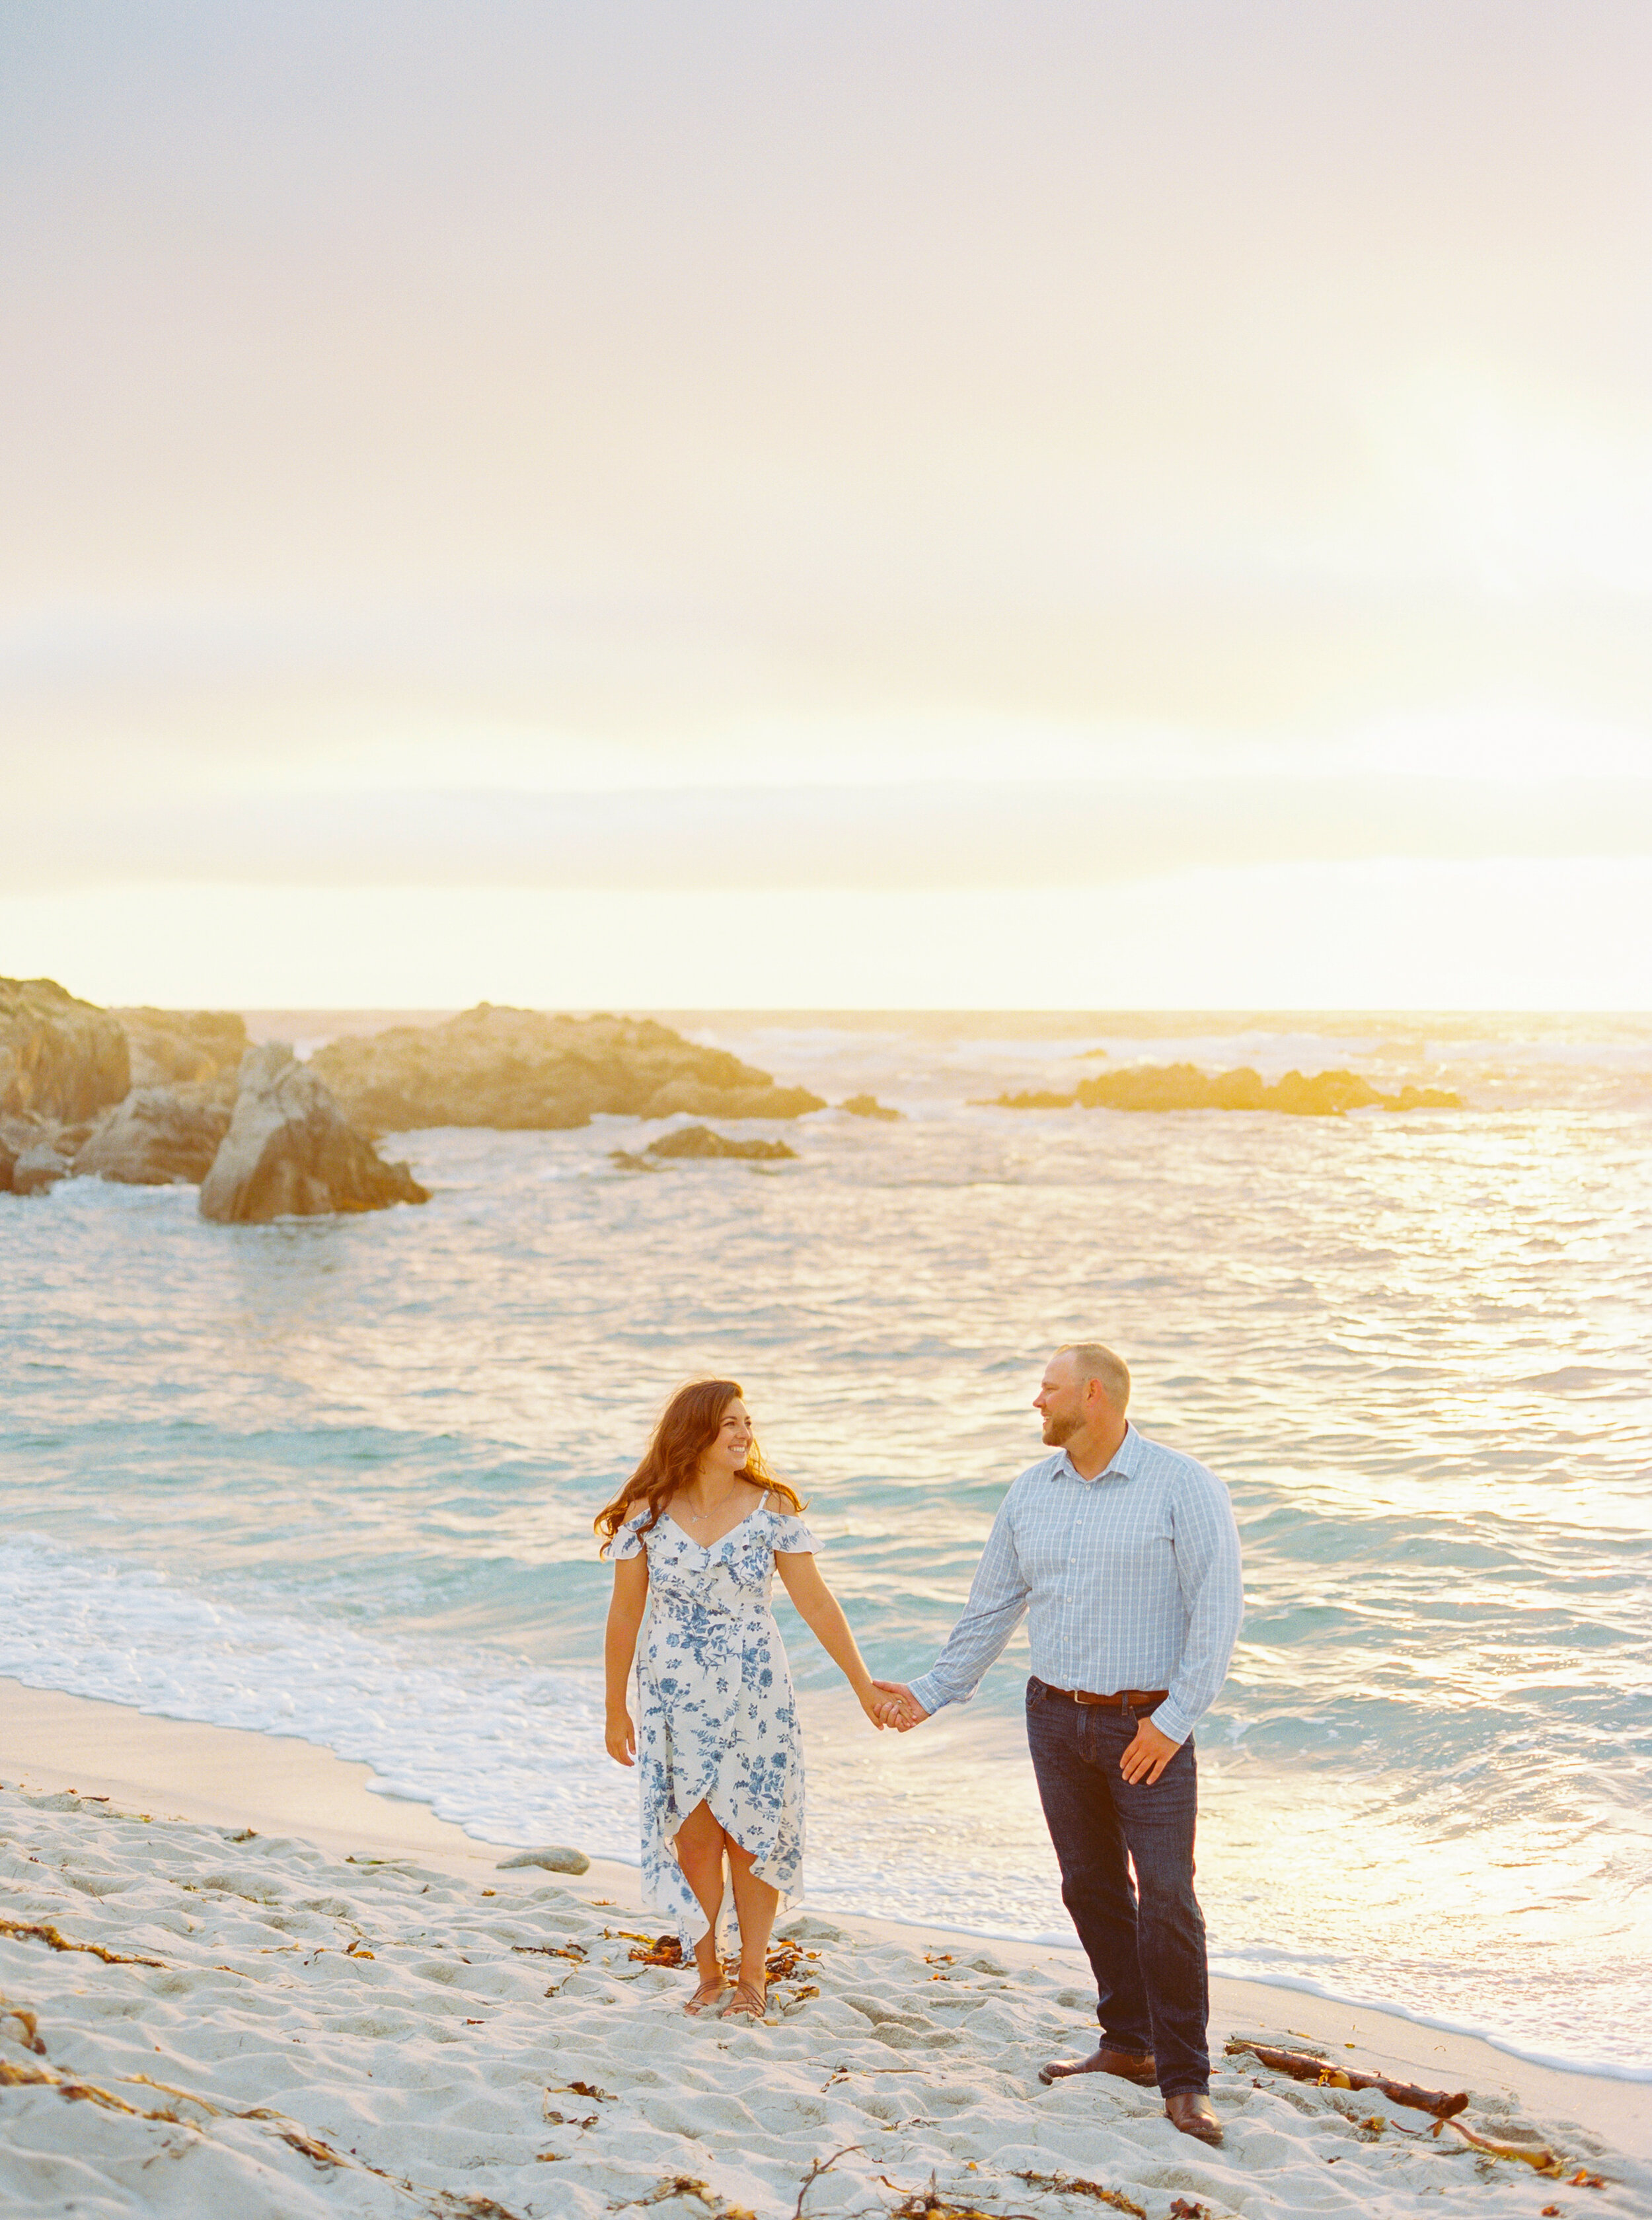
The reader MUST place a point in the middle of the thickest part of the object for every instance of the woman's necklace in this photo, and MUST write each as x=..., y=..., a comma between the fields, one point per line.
x=708, y=1518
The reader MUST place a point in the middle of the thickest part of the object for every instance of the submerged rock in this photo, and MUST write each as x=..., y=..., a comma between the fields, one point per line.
x=556, y=1857
x=288, y=1153
x=16, y=1134
x=689, y=1142
x=515, y=1070
x=158, y=1136
x=60, y=1058
x=868, y=1105
x=36, y=1167
x=1184, y=1086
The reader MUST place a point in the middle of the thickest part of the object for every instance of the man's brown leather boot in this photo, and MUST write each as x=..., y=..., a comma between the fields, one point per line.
x=1128, y=2065
x=1191, y=2110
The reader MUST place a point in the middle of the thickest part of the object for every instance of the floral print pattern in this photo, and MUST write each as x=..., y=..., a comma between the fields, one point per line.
x=716, y=1718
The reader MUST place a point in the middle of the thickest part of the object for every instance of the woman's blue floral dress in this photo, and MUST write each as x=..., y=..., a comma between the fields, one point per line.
x=716, y=1719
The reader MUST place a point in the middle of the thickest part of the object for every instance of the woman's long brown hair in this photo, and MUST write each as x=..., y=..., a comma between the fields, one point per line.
x=687, y=1426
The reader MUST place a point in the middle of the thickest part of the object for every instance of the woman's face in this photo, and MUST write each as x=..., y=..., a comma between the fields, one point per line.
x=729, y=1451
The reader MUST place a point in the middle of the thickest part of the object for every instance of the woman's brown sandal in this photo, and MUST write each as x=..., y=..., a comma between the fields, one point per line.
x=748, y=2003
x=705, y=1995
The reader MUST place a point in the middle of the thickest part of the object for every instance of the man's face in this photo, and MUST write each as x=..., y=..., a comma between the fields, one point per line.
x=1061, y=1400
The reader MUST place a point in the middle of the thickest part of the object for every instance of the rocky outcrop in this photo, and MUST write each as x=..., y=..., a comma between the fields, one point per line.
x=520, y=1069
x=701, y=1141
x=36, y=1167
x=158, y=1136
x=185, y=1048
x=1184, y=1086
x=688, y=1143
x=60, y=1059
x=289, y=1153
x=868, y=1105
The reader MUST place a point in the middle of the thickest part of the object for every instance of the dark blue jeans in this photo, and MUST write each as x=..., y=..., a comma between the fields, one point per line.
x=1145, y=1938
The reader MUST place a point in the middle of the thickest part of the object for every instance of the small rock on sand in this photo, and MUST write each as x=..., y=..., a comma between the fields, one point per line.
x=556, y=1857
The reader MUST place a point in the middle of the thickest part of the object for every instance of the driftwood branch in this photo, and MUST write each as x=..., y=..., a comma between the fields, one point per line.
x=817, y=2167
x=1303, y=2066
x=1538, y=2156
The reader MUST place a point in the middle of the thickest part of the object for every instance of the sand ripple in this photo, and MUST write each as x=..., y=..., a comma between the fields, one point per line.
x=326, y=2038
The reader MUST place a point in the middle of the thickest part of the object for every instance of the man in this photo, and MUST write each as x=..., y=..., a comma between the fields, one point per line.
x=1127, y=1555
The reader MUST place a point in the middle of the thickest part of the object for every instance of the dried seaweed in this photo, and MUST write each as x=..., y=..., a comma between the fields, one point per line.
x=685, y=2184
x=440, y=2202
x=662, y=1950
x=929, y=2204
x=1067, y=2185
x=77, y=2092
x=30, y=2038
x=43, y=1931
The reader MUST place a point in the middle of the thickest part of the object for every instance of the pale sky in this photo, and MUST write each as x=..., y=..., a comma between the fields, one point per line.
x=955, y=504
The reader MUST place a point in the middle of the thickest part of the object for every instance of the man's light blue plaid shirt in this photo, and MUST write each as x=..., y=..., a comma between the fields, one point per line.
x=1133, y=1580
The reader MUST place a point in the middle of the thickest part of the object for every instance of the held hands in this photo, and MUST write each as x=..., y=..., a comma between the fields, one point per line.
x=1148, y=1755
x=882, y=1703
x=621, y=1736
x=900, y=1709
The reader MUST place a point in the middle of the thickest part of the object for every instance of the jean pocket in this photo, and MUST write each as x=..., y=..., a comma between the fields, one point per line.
x=1036, y=1691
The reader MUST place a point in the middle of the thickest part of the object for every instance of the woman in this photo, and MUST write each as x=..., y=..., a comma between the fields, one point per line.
x=702, y=1526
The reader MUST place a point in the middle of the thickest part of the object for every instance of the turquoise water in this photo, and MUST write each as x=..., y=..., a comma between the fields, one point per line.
x=336, y=1479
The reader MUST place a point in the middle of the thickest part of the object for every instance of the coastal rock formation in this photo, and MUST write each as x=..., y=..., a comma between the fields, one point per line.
x=60, y=1058
x=520, y=1069
x=17, y=1134
x=289, y=1153
x=868, y=1105
x=1184, y=1086
x=37, y=1166
x=701, y=1141
x=158, y=1136
x=185, y=1048
x=689, y=1142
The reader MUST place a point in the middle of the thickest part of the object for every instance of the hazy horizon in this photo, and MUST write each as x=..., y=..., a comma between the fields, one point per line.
x=877, y=506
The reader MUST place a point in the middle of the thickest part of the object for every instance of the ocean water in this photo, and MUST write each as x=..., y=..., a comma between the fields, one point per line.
x=336, y=1479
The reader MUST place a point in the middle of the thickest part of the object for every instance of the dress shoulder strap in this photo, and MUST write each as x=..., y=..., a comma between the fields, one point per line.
x=767, y=1493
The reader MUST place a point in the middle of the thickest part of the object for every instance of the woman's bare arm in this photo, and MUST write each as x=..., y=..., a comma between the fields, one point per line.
x=618, y=1647
x=822, y=1613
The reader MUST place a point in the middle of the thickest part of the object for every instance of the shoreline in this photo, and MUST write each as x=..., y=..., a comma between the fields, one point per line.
x=232, y=1779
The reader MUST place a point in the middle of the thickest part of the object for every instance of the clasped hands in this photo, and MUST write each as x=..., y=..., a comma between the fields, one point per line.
x=894, y=1706
x=1146, y=1757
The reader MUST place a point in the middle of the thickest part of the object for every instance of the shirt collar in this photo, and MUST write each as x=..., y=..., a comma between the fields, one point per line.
x=1123, y=1466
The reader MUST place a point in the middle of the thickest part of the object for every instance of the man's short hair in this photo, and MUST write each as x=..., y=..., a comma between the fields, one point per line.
x=1095, y=1360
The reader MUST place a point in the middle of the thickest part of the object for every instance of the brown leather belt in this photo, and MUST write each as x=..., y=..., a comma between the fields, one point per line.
x=1134, y=1700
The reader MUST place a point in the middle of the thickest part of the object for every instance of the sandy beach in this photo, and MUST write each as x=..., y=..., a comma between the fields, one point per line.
x=316, y=1999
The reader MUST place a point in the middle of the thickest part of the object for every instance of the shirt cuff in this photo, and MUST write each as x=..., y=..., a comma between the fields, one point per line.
x=1172, y=1723
x=925, y=1693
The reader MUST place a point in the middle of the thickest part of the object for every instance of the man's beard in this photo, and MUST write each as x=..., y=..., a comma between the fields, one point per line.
x=1057, y=1431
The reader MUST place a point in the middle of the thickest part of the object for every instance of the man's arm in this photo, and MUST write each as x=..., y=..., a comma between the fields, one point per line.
x=998, y=1597
x=1209, y=1571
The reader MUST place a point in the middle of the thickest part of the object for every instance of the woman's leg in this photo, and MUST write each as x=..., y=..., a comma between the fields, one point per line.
x=757, y=1902
x=700, y=1843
